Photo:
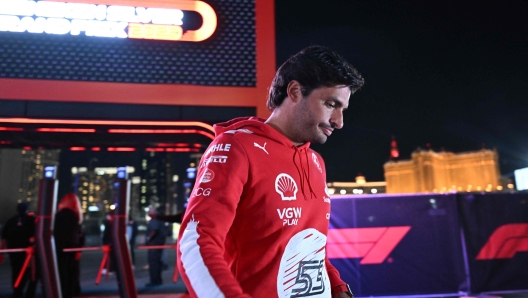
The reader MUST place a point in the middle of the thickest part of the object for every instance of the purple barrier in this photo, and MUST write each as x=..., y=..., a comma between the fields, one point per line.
x=496, y=230
x=397, y=245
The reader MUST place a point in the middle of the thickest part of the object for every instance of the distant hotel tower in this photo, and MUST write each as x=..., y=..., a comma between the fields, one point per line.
x=430, y=171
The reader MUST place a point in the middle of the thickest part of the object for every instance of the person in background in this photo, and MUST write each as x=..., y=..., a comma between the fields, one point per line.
x=132, y=232
x=68, y=234
x=156, y=234
x=19, y=232
x=107, y=240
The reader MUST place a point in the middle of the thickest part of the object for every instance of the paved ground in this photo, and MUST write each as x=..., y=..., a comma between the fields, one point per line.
x=90, y=262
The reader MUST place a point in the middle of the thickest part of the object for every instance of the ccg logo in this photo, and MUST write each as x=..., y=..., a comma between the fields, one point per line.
x=201, y=192
x=207, y=176
x=316, y=162
x=286, y=187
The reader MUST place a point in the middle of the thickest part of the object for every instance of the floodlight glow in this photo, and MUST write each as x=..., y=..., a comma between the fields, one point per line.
x=521, y=178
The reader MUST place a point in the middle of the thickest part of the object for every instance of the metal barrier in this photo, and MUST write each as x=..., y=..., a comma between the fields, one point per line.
x=173, y=246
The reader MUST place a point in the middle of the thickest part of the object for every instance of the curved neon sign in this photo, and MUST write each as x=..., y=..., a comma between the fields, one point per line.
x=161, y=19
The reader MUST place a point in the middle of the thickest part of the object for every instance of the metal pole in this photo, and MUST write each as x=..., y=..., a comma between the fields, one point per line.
x=120, y=249
x=44, y=241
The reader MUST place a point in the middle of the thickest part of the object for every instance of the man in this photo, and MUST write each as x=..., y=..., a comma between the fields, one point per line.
x=155, y=236
x=258, y=215
x=19, y=232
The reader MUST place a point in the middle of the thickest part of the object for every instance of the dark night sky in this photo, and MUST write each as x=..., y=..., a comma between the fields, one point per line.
x=450, y=73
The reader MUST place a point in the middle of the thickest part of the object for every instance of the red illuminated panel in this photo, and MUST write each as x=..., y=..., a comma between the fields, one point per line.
x=11, y=129
x=77, y=148
x=78, y=130
x=107, y=122
x=5, y=142
x=96, y=149
x=121, y=149
x=161, y=131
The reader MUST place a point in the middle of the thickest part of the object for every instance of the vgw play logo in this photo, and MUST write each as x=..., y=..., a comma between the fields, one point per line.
x=158, y=19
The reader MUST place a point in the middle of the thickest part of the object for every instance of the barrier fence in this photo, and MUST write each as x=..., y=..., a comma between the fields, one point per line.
x=452, y=244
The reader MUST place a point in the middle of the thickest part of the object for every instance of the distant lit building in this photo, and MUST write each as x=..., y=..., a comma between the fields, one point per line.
x=360, y=187
x=95, y=189
x=20, y=173
x=430, y=171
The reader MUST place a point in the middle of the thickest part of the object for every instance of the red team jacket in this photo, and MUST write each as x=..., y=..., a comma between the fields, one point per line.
x=257, y=218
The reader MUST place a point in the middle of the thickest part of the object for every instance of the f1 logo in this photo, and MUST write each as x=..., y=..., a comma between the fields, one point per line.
x=373, y=245
x=505, y=242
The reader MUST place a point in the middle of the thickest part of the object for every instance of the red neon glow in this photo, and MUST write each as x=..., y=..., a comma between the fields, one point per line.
x=160, y=131
x=173, y=144
x=26, y=148
x=96, y=149
x=373, y=245
x=197, y=145
x=505, y=242
x=11, y=129
x=121, y=149
x=81, y=130
x=155, y=149
x=77, y=148
x=5, y=142
x=108, y=122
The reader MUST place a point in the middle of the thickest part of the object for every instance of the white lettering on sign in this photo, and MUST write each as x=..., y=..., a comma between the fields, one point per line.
x=92, y=19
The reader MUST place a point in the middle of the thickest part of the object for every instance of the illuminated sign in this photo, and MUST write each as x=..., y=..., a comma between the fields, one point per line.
x=114, y=18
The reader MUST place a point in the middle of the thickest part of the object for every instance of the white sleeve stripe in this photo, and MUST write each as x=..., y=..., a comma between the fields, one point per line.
x=198, y=274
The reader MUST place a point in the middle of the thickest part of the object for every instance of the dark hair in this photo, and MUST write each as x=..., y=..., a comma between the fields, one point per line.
x=313, y=67
x=22, y=208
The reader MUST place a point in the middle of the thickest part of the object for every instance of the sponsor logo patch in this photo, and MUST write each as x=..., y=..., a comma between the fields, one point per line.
x=261, y=147
x=316, y=162
x=214, y=159
x=290, y=216
x=207, y=176
x=201, y=192
x=286, y=187
x=218, y=147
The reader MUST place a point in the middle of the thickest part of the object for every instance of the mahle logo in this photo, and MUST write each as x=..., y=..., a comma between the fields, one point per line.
x=158, y=19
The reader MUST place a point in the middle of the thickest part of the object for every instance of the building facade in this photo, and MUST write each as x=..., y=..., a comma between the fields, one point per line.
x=430, y=171
x=20, y=173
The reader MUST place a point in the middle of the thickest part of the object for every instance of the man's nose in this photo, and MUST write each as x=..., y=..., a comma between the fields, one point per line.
x=337, y=119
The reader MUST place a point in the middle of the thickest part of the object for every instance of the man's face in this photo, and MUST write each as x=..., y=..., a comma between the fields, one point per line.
x=319, y=113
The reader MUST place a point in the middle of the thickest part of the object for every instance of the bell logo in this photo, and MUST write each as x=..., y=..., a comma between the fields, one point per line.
x=286, y=187
x=505, y=242
x=373, y=245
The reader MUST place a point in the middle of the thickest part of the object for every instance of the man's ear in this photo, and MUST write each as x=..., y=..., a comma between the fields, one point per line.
x=294, y=91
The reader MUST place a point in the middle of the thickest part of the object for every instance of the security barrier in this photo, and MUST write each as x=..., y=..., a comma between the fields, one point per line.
x=430, y=245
